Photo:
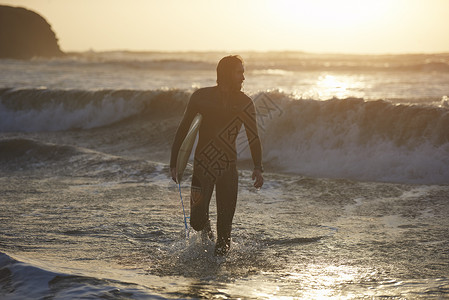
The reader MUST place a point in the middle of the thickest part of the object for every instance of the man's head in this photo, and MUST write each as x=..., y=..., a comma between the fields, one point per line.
x=230, y=72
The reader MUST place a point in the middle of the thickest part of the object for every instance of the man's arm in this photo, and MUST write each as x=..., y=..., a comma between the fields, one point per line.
x=252, y=133
x=250, y=122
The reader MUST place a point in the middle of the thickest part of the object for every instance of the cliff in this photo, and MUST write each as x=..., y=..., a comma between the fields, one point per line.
x=25, y=34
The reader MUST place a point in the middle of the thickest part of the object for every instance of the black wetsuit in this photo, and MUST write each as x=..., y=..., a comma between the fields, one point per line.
x=216, y=155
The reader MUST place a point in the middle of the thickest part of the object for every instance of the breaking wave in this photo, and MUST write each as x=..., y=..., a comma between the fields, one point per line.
x=339, y=138
x=33, y=110
x=20, y=280
x=352, y=138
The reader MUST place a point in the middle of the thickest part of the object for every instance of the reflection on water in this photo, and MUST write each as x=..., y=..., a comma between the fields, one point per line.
x=321, y=280
x=326, y=86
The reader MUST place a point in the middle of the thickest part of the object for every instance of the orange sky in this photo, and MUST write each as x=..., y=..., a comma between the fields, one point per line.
x=344, y=26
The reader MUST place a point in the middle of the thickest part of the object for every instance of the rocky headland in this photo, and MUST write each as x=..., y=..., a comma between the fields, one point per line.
x=25, y=34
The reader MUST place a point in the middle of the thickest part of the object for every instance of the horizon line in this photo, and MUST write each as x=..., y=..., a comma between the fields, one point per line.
x=91, y=50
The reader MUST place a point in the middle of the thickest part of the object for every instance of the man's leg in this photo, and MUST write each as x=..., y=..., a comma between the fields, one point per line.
x=200, y=194
x=226, y=194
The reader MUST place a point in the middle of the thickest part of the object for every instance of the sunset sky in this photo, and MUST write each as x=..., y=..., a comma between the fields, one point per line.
x=338, y=26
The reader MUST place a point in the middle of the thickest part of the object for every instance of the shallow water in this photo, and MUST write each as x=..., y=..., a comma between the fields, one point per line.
x=298, y=237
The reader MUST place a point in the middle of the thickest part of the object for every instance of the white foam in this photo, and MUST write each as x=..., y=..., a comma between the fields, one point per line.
x=381, y=161
x=357, y=140
x=59, y=117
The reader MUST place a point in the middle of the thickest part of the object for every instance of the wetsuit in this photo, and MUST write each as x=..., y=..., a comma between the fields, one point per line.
x=216, y=155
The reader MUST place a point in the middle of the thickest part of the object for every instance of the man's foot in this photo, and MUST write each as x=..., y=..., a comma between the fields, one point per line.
x=221, y=248
x=206, y=233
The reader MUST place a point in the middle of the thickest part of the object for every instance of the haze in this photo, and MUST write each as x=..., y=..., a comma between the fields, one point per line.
x=345, y=26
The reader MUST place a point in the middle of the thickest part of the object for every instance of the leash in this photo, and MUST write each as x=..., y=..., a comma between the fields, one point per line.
x=184, y=212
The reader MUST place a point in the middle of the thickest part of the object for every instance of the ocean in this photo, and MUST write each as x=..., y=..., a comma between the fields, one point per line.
x=355, y=203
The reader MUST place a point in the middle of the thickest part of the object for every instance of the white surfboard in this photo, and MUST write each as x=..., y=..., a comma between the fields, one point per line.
x=186, y=147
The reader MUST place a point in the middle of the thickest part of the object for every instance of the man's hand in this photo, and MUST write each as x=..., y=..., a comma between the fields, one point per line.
x=257, y=175
x=173, y=173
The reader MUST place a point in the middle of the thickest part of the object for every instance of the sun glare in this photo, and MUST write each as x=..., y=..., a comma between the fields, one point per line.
x=340, y=24
x=327, y=86
x=327, y=13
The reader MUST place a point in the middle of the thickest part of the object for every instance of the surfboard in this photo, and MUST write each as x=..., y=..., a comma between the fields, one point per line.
x=186, y=147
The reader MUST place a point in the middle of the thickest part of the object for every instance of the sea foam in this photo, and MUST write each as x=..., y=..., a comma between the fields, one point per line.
x=352, y=138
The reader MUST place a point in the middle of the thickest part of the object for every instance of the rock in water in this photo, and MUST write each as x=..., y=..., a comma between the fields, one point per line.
x=25, y=34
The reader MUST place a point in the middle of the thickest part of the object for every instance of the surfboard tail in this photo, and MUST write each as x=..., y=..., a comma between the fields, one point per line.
x=186, y=147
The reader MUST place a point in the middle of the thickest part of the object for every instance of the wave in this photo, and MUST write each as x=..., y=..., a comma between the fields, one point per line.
x=340, y=138
x=32, y=110
x=20, y=280
x=286, y=61
x=27, y=154
x=339, y=66
x=352, y=138
x=136, y=63
x=380, y=67
x=19, y=149
x=22, y=155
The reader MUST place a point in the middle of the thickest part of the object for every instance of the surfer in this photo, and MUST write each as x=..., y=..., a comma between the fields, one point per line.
x=224, y=109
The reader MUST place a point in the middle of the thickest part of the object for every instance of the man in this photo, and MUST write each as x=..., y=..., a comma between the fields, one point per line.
x=224, y=109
